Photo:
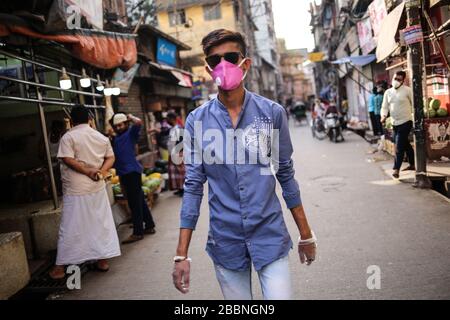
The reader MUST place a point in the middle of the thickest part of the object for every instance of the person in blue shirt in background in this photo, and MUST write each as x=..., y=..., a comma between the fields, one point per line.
x=246, y=217
x=371, y=109
x=129, y=171
x=377, y=104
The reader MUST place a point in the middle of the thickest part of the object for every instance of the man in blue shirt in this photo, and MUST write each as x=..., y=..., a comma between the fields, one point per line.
x=129, y=171
x=235, y=142
x=371, y=109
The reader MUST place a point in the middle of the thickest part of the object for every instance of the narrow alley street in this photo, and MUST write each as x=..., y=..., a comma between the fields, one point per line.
x=361, y=218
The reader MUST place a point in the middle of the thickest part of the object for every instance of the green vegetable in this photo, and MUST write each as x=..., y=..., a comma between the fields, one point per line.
x=117, y=189
x=431, y=113
x=442, y=112
x=435, y=104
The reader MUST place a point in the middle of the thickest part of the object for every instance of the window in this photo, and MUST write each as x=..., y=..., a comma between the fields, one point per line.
x=273, y=53
x=212, y=12
x=177, y=18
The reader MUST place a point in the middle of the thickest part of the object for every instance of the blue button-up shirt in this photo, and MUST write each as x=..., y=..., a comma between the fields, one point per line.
x=246, y=219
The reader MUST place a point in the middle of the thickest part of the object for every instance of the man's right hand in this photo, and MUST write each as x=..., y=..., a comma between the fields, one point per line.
x=181, y=274
x=92, y=173
x=383, y=119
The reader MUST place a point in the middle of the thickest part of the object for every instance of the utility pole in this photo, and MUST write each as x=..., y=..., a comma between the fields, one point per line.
x=415, y=60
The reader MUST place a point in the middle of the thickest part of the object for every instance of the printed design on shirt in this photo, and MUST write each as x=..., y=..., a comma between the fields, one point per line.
x=257, y=136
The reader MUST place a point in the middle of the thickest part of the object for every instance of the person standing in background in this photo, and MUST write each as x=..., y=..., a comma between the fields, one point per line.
x=87, y=231
x=176, y=170
x=378, y=103
x=129, y=171
x=397, y=102
x=371, y=108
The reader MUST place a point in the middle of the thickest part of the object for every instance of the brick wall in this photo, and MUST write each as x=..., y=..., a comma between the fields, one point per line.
x=132, y=104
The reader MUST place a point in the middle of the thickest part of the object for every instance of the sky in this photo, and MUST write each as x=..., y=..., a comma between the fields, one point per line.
x=292, y=20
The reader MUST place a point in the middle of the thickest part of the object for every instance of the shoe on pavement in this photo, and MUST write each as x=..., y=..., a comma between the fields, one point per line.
x=132, y=238
x=179, y=192
x=410, y=168
x=149, y=231
x=396, y=174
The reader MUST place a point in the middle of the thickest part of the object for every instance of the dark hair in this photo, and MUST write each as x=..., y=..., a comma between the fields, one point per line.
x=402, y=74
x=221, y=36
x=79, y=114
x=172, y=115
x=375, y=90
x=57, y=125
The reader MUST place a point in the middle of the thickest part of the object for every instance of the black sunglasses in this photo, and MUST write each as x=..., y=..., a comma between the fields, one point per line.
x=232, y=57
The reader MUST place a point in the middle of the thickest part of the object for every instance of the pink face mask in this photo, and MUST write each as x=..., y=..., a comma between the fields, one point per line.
x=228, y=76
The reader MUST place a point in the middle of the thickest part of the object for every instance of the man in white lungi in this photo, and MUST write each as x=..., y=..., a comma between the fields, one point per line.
x=87, y=231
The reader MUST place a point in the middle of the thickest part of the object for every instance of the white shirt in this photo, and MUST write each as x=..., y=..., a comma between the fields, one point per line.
x=398, y=103
x=88, y=146
x=174, y=137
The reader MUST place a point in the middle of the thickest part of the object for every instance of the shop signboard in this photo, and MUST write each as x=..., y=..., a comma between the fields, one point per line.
x=316, y=56
x=166, y=52
x=377, y=12
x=412, y=34
x=365, y=36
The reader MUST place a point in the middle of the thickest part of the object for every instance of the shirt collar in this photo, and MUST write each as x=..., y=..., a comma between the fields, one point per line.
x=246, y=100
x=81, y=126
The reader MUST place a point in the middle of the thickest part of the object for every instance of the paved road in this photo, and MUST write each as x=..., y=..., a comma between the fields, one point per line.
x=360, y=216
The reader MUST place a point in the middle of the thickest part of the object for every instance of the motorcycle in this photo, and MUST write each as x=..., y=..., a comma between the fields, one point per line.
x=333, y=127
x=318, y=128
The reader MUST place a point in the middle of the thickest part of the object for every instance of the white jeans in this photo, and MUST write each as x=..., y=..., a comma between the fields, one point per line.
x=274, y=279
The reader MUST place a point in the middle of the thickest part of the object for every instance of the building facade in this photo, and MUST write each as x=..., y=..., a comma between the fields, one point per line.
x=266, y=46
x=190, y=20
x=298, y=80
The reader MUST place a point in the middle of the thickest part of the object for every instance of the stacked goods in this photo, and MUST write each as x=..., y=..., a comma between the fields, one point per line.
x=150, y=183
x=433, y=108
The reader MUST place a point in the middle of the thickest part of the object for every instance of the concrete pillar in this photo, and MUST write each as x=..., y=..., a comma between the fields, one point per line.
x=14, y=273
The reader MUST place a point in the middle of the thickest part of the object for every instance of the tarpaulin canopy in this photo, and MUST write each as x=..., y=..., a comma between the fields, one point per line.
x=102, y=49
x=386, y=38
x=356, y=60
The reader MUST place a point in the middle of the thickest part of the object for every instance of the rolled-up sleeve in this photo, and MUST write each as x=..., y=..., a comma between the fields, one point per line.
x=194, y=179
x=384, y=105
x=282, y=159
x=66, y=148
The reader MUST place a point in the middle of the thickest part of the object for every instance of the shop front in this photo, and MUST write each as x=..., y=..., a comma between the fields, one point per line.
x=42, y=76
x=395, y=37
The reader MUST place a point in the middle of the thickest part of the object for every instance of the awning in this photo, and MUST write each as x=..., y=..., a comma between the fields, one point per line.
x=102, y=49
x=185, y=80
x=435, y=3
x=181, y=77
x=356, y=60
x=386, y=38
